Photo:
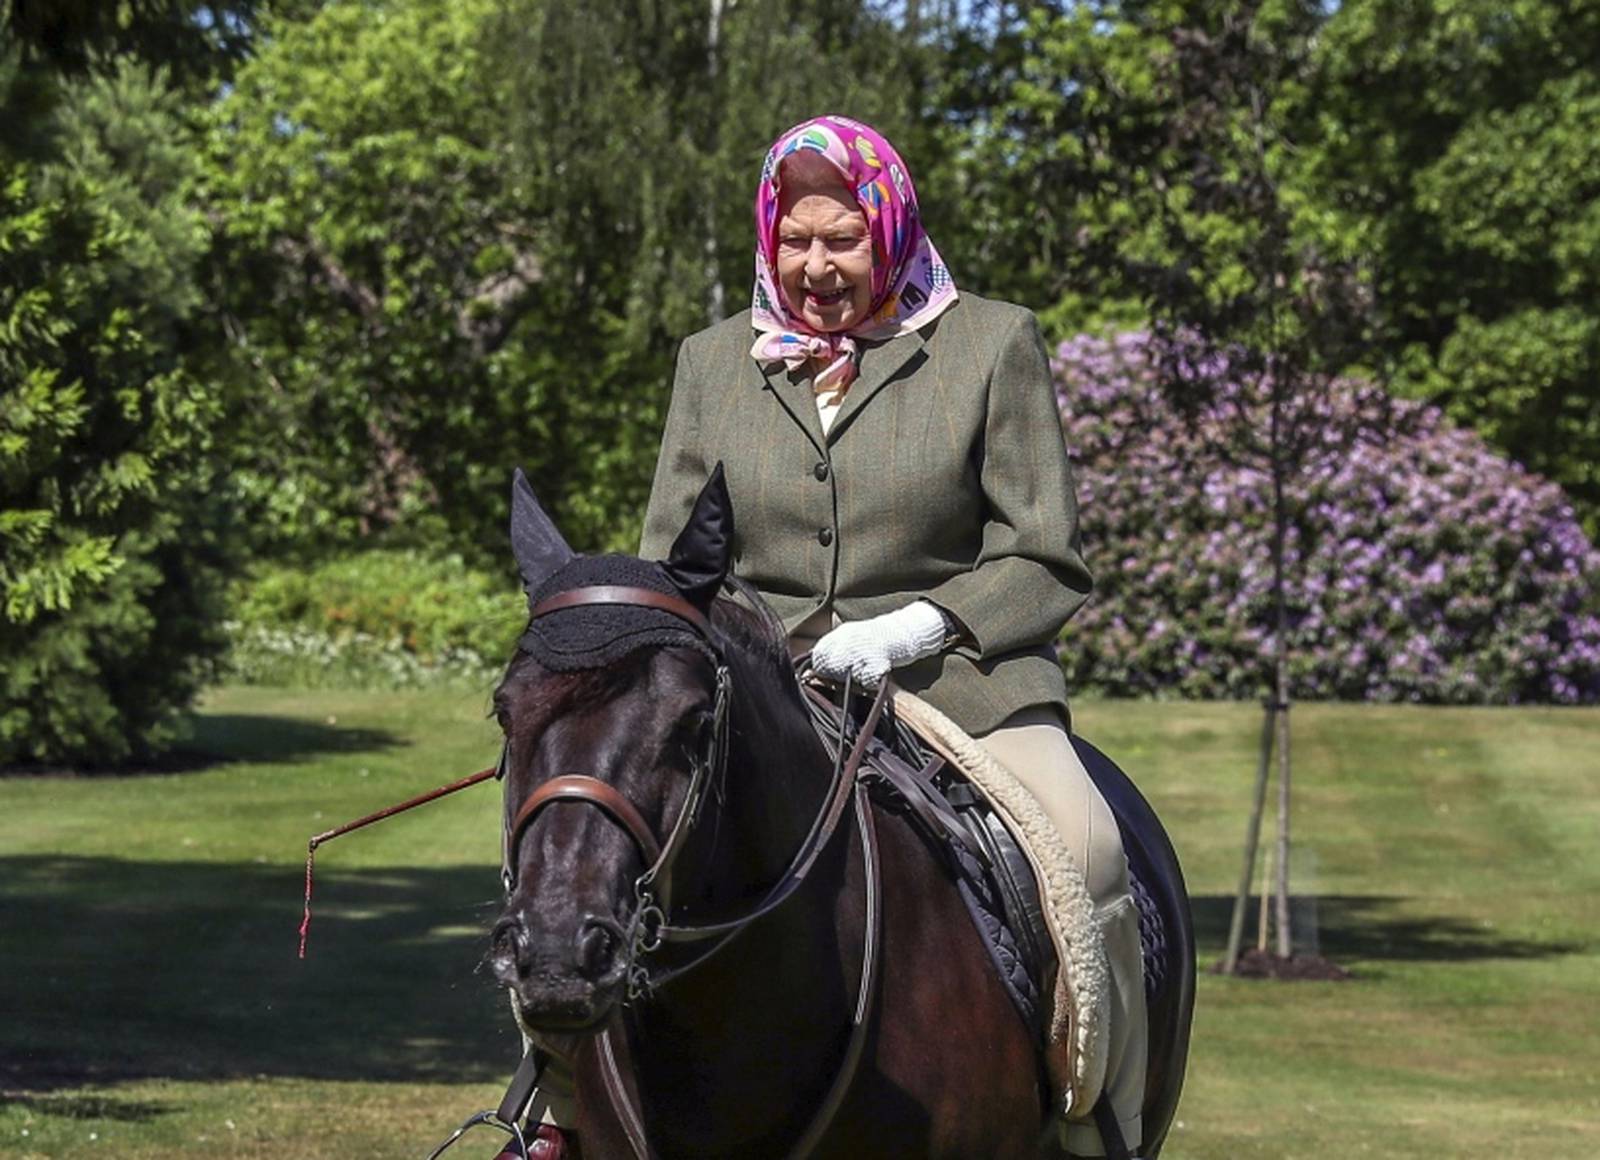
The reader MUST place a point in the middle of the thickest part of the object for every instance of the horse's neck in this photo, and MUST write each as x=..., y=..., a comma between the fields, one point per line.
x=777, y=776
x=770, y=982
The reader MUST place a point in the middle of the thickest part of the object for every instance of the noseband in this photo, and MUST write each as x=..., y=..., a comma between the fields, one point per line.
x=581, y=788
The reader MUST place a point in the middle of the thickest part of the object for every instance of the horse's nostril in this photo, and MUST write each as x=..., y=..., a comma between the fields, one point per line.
x=598, y=941
x=506, y=939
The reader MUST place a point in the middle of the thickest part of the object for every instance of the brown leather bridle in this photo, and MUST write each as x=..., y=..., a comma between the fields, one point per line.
x=644, y=932
x=582, y=788
x=649, y=929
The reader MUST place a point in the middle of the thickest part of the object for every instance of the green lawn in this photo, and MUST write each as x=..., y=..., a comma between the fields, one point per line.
x=152, y=1004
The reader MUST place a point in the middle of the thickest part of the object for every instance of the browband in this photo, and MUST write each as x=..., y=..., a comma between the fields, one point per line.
x=619, y=594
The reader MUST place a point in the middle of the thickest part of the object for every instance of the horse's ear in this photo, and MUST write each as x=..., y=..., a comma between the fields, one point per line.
x=540, y=549
x=703, y=552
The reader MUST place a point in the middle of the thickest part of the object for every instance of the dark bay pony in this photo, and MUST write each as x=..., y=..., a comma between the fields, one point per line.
x=731, y=1046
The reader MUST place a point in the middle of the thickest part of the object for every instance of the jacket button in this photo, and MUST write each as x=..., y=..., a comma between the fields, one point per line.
x=825, y=537
x=820, y=471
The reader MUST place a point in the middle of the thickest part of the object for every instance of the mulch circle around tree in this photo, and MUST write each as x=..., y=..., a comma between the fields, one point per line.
x=1257, y=964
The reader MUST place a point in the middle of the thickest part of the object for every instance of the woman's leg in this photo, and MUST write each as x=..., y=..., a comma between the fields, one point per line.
x=1033, y=744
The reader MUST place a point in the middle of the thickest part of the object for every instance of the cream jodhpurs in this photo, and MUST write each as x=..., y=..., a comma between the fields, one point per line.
x=1033, y=744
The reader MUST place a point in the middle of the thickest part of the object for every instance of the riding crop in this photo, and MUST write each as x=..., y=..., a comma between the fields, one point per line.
x=380, y=815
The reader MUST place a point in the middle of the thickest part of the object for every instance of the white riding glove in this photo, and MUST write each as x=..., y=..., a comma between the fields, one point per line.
x=868, y=649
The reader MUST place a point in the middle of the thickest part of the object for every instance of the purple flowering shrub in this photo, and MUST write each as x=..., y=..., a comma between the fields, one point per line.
x=1425, y=567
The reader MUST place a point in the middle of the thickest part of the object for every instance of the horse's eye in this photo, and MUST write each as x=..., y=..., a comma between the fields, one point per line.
x=694, y=733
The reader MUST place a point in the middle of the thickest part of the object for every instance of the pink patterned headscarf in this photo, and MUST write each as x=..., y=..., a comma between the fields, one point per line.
x=910, y=283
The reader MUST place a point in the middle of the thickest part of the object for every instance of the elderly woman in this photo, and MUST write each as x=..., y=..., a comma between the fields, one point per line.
x=904, y=499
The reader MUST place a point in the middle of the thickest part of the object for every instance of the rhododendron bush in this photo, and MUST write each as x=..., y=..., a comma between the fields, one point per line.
x=1423, y=567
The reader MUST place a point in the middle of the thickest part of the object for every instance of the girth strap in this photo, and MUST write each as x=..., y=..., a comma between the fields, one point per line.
x=1105, y=1119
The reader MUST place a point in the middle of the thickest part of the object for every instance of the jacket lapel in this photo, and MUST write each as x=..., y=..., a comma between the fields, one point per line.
x=796, y=398
x=879, y=363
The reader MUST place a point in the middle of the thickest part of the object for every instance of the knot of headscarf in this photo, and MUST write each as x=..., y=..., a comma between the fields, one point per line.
x=910, y=282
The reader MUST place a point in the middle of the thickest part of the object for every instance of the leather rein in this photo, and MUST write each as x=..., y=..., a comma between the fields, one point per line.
x=650, y=929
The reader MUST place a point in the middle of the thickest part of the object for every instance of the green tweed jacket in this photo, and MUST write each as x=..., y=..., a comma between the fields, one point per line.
x=943, y=476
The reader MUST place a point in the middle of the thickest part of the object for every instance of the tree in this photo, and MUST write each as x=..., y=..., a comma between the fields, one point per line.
x=110, y=517
x=1449, y=143
x=198, y=41
x=462, y=236
x=1179, y=125
x=1461, y=135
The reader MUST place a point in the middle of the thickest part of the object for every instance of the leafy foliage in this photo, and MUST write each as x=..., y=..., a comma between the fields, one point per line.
x=1427, y=568
x=1441, y=150
x=197, y=39
x=316, y=274
x=462, y=236
x=386, y=618
x=109, y=525
x=1458, y=136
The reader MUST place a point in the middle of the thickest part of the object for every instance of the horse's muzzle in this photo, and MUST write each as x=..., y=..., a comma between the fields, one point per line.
x=564, y=981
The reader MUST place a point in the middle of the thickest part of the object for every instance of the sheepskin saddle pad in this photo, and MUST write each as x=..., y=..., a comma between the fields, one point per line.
x=1076, y=1001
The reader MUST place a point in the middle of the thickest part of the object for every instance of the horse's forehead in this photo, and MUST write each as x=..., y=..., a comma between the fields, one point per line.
x=654, y=684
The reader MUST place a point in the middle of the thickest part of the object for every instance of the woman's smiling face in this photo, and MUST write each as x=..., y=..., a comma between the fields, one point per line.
x=824, y=252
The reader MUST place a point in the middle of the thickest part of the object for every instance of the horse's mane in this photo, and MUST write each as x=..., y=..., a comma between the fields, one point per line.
x=755, y=643
x=748, y=621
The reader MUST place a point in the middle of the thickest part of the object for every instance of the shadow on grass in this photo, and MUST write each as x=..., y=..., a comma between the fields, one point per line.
x=218, y=738
x=1372, y=927
x=253, y=737
x=119, y=970
x=69, y=1107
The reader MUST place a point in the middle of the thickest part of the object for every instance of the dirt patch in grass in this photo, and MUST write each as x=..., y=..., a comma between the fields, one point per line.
x=1258, y=964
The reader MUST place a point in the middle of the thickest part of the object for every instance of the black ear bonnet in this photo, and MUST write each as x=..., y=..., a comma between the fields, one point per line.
x=587, y=636
x=591, y=635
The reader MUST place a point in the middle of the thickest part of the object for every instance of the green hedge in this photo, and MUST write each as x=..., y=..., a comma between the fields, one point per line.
x=377, y=619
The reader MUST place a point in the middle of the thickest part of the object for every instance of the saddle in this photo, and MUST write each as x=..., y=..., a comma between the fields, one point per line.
x=906, y=776
x=922, y=766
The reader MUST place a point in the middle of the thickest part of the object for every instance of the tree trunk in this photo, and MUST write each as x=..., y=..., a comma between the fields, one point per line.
x=1280, y=671
x=716, y=300
x=1264, y=910
x=1252, y=841
x=1285, y=940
